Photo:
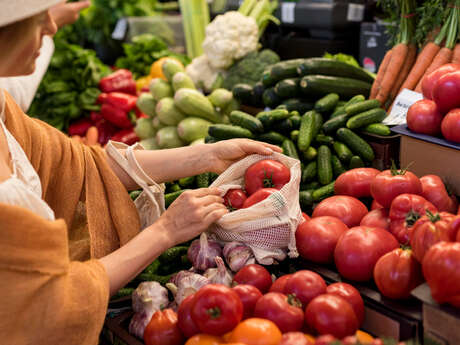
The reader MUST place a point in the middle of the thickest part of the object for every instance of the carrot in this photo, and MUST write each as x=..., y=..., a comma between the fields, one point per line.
x=456, y=54
x=442, y=57
x=423, y=61
x=394, y=67
x=381, y=72
x=411, y=56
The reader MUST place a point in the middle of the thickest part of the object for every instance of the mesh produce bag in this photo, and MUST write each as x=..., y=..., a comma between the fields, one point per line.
x=269, y=226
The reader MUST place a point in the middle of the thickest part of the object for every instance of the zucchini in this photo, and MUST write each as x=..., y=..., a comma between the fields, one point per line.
x=288, y=88
x=378, y=129
x=324, y=165
x=301, y=105
x=320, y=85
x=310, y=154
x=223, y=132
x=193, y=128
x=181, y=80
x=333, y=124
x=337, y=166
x=323, y=192
x=331, y=67
x=194, y=103
x=187, y=181
x=170, y=67
x=294, y=135
x=310, y=172
x=327, y=103
x=272, y=137
x=160, y=89
x=357, y=145
x=318, y=123
x=306, y=131
x=285, y=69
x=203, y=180
x=170, y=197
x=356, y=162
x=310, y=186
x=243, y=93
x=361, y=107
x=209, y=139
x=324, y=139
x=168, y=113
x=305, y=199
x=269, y=117
x=242, y=119
x=289, y=149
x=220, y=98
x=342, y=151
x=366, y=118
x=258, y=91
x=168, y=138
x=270, y=98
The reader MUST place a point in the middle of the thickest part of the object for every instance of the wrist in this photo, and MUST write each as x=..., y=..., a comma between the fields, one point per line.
x=211, y=156
x=161, y=234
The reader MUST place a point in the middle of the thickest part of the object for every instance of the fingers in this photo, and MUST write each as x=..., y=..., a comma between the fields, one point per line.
x=79, y=5
x=251, y=146
x=215, y=215
x=92, y=136
x=205, y=191
x=210, y=199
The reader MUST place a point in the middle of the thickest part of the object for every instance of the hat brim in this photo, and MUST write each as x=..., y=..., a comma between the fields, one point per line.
x=14, y=11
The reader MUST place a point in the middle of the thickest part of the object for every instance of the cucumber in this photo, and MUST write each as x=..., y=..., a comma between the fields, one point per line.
x=337, y=166
x=294, y=135
x=339, y=110
x=324, y=139
x=212, y=177
x=306, y=131
x=324, y=165
x=310, y=154
x=247, y=121
x=153, y=267
x=267, y=79
x=203, y=180
x=318, y=123
x=181, y=80
x=289, y=149
x=257, y=92
x=281, y=106
x=305, y=199
x=174, y=188
x=123, y=292
x=160, y=89
x=155, y=277
x=243, y=93
x=333, y=124
x=378, y=129
x=224, y=132
x=194, y=103
x=187, y=181
x=366, y=118
x=288, y=88
x=272, y=137
x=342, y=151
x=193, y=128
x=356, y=162
x=134, y=194
x=331, y=67
x=320, y=85
x=269, y=117
x=170, y=197
x=172, y=254
x=294, y=113
x=170, y=67
x=357, y=145
x=361, y=107
x=270, y=98
x=295, y=120
x=301, y=105
x=327, y=103
x=310, y=186
x=290, y=124
x=323, y=192
x=220, y=98
x=209, y=139
x=310, y=172
x=168, y=138
x=285, y=69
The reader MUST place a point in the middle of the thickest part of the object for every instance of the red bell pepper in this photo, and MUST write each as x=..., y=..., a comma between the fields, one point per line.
x=116, y=116
x=105, y=130
x=102, y=98
x=95, y=117
x=127, y=136
x=80, y=127
x=122, y=101
x=119, y=81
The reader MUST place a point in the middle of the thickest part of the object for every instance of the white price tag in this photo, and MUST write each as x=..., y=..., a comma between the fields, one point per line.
x=288, y=12
x=119, y=32
x=401, y=105
x=355, y=12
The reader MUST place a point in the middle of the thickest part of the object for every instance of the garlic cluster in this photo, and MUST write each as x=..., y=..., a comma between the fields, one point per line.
x=186, y=284
x=237, y=255
x=219, y=275
x=202, y=253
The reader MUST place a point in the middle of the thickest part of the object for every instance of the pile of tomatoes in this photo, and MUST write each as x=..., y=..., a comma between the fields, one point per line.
x=416, y=213
x=261, y=179
x=439, y=111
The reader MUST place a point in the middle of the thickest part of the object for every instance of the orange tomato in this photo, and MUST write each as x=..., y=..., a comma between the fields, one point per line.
x=255, y=331
x=204, y=339
x=226, y=337
x=156, y=70
x=233, y=344
x=364, y=338
x=310, y=338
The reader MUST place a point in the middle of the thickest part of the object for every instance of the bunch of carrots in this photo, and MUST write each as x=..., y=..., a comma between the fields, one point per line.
x=402, y=68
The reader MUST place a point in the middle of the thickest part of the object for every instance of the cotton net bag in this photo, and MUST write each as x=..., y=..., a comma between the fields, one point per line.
x=269, y=226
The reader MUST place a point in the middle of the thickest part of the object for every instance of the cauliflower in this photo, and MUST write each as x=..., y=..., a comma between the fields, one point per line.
x=230, y=37
x=202, y=73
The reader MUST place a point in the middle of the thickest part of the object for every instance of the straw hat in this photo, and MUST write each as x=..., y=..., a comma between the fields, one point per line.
x=15, y=10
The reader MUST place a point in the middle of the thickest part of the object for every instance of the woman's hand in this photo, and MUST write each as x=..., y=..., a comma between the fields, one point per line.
x=191, y=214
x=225, y=153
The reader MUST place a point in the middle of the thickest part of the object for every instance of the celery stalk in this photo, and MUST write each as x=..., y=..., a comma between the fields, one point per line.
x=195, y=17
x=247, y=6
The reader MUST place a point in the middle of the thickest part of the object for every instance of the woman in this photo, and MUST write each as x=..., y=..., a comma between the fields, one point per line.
x=69, y=234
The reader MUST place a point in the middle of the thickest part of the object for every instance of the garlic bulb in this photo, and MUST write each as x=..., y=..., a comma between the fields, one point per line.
x=237, y=255
x=187, y=285
x=176, y=278
x=219, y=275
x=139, y=322
x=202, y=253
x=150, y=296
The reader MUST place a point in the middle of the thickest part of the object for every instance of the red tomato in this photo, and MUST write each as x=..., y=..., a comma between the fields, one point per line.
x=446, y=92
x=295, y=338
x=317, y=238
x=347, y=208
x=325, y=340
x=184, y=317
x=216, y=309
x=235, y=198
x=266, y=173
x=390, y=183
x=450, y=126
x=431, y=229
x=359, y=249
x=350, y=340
x=435, y=191
x=424, y=117
x=305, y=216
x=375, y=205
x=255, y=275
x=258, y=196
x=279, y=284
x=397, y=273
x=305, y=285
x=249, y=296
x=378, y=218
x=355, y=182
x=351, y=295
x=163, y=329
x=405, y=210
x=430, y=80
x=285, y=311
x=331, y=314
x=441, y=268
